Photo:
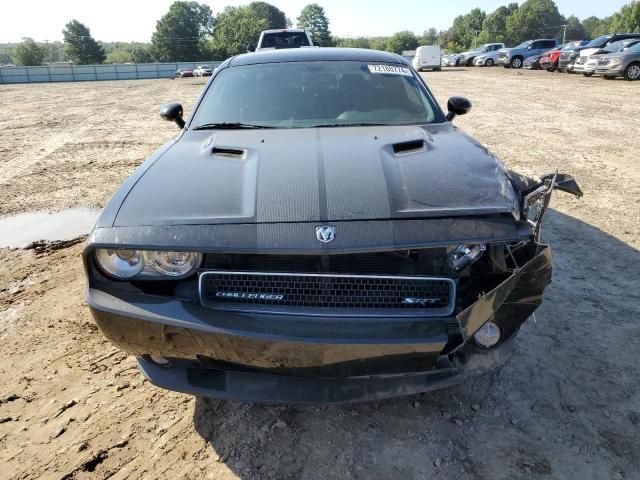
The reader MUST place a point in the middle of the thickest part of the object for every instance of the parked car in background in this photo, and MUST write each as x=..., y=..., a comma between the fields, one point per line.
x=532, y=63
x=569, y=57
x=587, y=65
x=468, y=58
x=428, y=57
x=453, y=60
x=625, y=63
x=488, y=59
x=203, y=71
x=549, y=60
x=184, y=72
x=281, y=39
x=515, y=57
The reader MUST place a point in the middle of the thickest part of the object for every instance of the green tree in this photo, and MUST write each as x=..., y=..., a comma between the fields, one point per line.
x=534, y=18
x=181, y=33
x=236, y=28
x=575, y=30
x=401, y=41
x=429, y=37
x=80, y=46
x=141, y=54
x=119, y=56
x=29, y=53
x=379, y=43
x=275, y=17
x=360, y=42
x=56, y=53
x=494, y=27
x=315, y=21
x=627, y=19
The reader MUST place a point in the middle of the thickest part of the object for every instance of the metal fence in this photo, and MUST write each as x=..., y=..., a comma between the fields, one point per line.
x=82, y=73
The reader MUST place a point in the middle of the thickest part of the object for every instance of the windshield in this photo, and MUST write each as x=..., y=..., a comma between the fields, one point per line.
x=598, y=42
x=525, y=44
x=279, y=40
x=614, y=47
x=316, y=94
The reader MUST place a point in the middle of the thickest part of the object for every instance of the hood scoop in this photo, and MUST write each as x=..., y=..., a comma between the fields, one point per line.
x=228, y=152
x=407, y=147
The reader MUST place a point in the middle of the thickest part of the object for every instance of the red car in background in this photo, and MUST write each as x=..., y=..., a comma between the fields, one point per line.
x=549, y=60
x=184, y=72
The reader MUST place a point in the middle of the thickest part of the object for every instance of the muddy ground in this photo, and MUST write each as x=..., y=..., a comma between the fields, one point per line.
x=566, y=406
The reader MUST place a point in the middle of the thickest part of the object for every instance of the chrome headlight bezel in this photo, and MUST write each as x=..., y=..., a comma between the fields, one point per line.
x=145, y=266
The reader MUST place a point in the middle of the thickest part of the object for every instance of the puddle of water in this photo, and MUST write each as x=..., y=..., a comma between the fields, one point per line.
x=18, y=231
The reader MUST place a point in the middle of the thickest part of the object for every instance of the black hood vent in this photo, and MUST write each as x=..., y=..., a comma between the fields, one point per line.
x=406, y=147
x=227, y=152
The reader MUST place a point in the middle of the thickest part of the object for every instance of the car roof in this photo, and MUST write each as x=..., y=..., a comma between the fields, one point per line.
x=283, y=30
x=311, y=54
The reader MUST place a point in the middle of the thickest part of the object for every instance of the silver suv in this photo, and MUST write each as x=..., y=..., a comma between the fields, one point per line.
x=621, y=64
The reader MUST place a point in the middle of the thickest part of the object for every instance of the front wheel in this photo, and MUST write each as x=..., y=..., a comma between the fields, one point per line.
x=632, y=72
x=516, y=62
x=489, y=62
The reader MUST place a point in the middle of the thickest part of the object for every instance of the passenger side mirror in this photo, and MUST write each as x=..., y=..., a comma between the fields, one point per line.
x=251, y=47
x=457, y=106
x=172, y=112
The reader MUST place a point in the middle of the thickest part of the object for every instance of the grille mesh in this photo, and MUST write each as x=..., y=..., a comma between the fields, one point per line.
x=327, y=291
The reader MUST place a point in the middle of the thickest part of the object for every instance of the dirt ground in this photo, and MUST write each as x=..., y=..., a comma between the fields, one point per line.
x=567, y=405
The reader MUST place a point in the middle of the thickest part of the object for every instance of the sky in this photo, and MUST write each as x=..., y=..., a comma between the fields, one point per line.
x=135, y=20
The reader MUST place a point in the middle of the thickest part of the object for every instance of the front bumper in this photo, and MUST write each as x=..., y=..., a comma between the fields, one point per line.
x=278, y=389
x=616, y=71
x=308, y=359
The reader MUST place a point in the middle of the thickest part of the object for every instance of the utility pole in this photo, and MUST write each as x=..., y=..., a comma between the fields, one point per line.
x=475, y=40
x=564, y=33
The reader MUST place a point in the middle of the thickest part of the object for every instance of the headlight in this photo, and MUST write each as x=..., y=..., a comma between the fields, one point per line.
x=120, y=263
x=465, y=255
x=127, y=263
x=173, y=264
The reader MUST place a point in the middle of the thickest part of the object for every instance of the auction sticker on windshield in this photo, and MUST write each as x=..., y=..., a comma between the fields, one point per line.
x=390, y=70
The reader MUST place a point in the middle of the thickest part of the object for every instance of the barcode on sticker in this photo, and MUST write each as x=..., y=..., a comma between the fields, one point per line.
x=390, y=70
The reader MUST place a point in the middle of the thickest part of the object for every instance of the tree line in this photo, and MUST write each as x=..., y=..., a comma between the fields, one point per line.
x=190, y=32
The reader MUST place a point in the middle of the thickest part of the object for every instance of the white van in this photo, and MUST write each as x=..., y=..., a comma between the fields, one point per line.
x=428, y=57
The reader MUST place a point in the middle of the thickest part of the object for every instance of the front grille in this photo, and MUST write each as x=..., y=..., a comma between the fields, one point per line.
x=327, y=294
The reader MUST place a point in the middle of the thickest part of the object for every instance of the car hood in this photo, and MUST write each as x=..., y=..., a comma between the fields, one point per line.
x=318, y=175
x=622, y=55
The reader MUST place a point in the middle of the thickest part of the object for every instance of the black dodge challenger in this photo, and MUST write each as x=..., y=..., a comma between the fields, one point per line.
x=319, y=231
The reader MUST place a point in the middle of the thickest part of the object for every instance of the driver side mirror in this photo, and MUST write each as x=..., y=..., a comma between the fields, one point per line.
x=251, y=47
x=172, y=112
x=457, y=106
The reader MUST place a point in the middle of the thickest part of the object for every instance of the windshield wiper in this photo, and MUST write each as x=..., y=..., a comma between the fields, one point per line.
x=332, y=125
x=229, y=126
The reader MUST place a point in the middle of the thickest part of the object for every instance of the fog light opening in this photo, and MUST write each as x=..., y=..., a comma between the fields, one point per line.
x=488, y=335
x=163, y=362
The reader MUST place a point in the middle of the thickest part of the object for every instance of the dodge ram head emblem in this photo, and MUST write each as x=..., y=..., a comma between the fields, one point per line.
x=325, y=234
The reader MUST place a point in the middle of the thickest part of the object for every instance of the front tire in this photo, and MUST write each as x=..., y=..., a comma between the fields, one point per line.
x=516, y=62
x=489, y=62
x=632, y=72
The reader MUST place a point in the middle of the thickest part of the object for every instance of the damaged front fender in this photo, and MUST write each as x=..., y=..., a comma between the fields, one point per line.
x=512, y=301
